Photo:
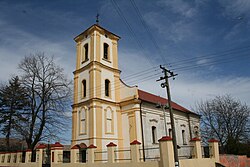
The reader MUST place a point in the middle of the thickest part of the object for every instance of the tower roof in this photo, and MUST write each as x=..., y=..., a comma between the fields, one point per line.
x=100, y=29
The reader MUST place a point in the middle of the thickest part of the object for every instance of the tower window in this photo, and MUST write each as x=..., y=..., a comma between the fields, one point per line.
x=154, y=138
x=86, y=52
x=84, y=88
x=105, y=51
x=107, y=87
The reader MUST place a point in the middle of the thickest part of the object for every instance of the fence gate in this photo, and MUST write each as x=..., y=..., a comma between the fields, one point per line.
x=83, y=157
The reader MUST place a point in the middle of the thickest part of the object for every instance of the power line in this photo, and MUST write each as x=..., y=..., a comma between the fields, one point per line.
x=189, y=67
x=182, y=64
x=209, y=56
x=141, y=73
x=140, y=79
x=118, y=10
x=152, y=76
x=147, y=29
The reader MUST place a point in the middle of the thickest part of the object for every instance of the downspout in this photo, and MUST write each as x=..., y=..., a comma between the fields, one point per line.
x=189, y=125
x=143, y=148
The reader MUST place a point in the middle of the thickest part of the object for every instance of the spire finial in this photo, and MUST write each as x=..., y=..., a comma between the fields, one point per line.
x=97, y=18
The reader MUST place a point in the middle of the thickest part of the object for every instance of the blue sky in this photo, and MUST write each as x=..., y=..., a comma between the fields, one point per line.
x=207, y=42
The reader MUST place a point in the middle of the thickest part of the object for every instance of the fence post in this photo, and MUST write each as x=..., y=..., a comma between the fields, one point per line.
x=7, y=156
x=214, y=149
x=39, y=154
x=28, y=156
x=74, y=154
x=19, y=157
x=14, y=157
x=11, y=157
x=111, y=152
x=57, y=153
x=135, y=151
x=1, y=156
x=91, y=154
x=166, y=152
x=197, y=148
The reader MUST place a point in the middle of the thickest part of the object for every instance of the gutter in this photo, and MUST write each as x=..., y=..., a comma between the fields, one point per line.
x=143, y=148
x=189, y=125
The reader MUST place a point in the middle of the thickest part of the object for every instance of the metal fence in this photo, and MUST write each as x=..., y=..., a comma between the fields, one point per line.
x=82, y=158
x=206, y=153
x=185, y=152
x=101, y=156
x=150, y=153
x=123, y=154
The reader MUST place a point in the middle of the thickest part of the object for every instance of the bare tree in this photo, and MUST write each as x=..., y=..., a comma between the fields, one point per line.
x=227, y=120
x=49, y=94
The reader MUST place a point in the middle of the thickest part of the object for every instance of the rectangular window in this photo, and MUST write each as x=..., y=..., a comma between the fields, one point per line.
x=86, y=52
x=107, y=87
x=183, y=137
x=53, y=156
x=84, y=89
x=154, y=138
x=105, y=51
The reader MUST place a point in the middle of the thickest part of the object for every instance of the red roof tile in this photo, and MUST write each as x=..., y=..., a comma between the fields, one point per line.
x=57, y=144
x=145, y=96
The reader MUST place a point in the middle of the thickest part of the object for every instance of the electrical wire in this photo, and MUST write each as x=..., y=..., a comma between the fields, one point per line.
x=147, y=29
x=144, y=75
x=133, y=35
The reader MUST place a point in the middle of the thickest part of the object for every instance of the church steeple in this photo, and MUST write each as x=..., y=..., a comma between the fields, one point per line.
x=100, y=45
x=96, y=83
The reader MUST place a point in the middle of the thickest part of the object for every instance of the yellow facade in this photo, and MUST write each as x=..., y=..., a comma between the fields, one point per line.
x=103, y=118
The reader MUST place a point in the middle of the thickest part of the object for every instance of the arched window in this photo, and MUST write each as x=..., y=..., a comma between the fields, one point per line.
x=86, y=52
x=84, y=88
x=109, y=119
x=154, y=137
x=107, y=87
x=105, y=51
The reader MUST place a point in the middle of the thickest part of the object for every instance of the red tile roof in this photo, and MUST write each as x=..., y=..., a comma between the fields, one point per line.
x=148, y=97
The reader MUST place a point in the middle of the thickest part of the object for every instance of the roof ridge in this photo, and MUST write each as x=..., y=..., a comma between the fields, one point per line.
x=150, y=97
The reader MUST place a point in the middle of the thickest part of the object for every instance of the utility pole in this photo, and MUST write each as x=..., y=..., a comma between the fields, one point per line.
x=170, y=74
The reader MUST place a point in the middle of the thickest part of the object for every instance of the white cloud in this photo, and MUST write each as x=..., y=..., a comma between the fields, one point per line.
x=177, y=30
x=17, y=43
x=184, y=8
x=236, y=8
x=190, y=88
x=202, y=61
x=194, y=89
x=132, y=61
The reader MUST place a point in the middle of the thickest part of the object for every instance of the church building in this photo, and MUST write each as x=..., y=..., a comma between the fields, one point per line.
x=107, y=110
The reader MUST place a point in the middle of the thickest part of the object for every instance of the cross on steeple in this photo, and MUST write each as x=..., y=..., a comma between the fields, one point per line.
x=97, y=18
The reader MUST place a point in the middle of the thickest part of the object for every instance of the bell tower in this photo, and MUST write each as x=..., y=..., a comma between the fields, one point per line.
x=96, y=109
